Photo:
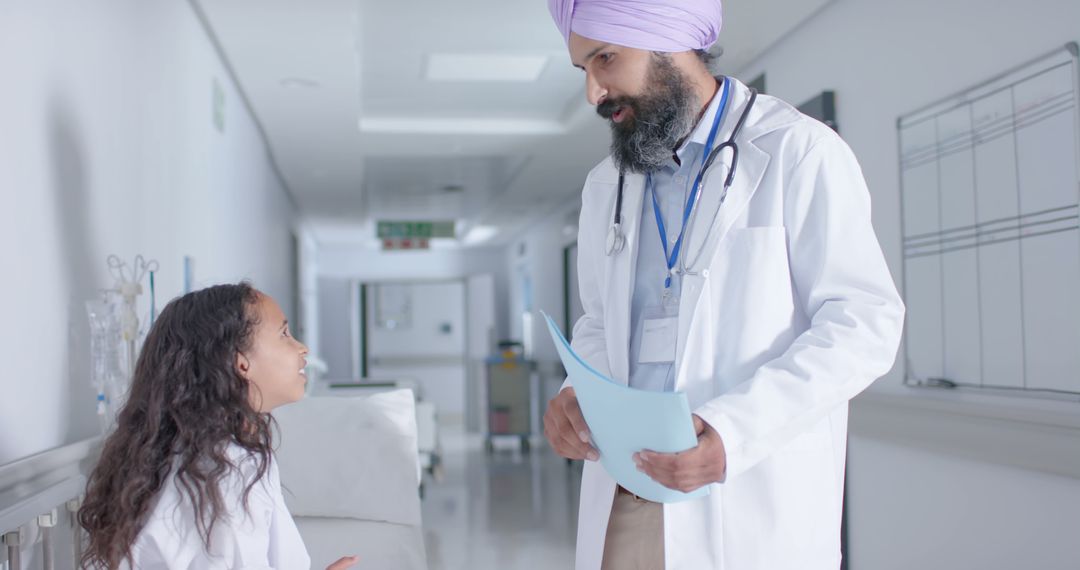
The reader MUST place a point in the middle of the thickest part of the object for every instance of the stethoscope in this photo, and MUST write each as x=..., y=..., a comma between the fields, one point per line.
x=616, y=240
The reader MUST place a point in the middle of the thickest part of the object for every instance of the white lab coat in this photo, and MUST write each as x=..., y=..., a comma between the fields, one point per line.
x=262, y=538
x=794, y=314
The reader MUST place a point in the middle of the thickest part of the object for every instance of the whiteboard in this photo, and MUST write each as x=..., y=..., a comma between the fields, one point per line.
x=990, y=201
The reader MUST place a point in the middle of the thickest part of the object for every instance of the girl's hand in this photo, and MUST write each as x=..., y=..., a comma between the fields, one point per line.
x=343, y=563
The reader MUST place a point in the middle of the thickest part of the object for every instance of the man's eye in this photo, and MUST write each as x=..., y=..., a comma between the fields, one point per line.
x=606, y=57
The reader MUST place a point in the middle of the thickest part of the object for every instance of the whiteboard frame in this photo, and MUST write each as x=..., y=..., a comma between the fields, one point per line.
x=1070, y=52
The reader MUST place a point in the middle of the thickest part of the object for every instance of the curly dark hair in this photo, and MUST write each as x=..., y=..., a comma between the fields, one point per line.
x=187, y=404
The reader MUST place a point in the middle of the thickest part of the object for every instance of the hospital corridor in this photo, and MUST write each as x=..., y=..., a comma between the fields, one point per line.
x=504, y=510
x=540, y=284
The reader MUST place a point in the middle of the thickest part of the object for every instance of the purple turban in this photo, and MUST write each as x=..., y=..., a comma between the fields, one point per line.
x=654, y=25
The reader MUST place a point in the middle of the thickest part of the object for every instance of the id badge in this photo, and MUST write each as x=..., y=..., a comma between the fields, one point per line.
x=659, y=335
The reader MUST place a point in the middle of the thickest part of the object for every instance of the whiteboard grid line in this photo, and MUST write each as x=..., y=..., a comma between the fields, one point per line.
x=941, y=259
x=978, y=256
x=969, y=140
x=1019, y=244
x=977, y=237
x=991, y=242
x=995, y=221
x=981, y=96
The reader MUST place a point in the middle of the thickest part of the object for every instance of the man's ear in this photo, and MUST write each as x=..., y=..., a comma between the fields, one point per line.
x=243, y=365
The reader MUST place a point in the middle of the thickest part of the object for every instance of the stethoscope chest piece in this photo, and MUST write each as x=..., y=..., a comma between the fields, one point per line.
x=616, y=241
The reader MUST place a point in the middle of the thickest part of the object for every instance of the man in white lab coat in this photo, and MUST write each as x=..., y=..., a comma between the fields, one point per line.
x=767, y=300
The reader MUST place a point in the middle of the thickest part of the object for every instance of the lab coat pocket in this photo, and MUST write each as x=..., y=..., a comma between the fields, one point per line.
x=751, y=288
x=813, y=484
x=790, y=494
x=762, y=240
x=761, y=259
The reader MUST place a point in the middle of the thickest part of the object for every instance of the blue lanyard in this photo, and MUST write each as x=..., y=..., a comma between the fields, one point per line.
x=674, y=255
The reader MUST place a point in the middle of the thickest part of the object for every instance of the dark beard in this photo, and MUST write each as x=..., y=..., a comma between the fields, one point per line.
x=660, y=119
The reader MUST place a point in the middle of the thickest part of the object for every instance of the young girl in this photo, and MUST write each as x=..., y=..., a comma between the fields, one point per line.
x=187, y=480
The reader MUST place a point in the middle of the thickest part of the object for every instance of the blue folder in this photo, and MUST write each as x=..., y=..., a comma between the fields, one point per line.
x=624, y=421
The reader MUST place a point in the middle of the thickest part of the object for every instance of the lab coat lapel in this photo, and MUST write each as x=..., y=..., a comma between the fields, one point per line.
x=620, y=270
x=708, y=232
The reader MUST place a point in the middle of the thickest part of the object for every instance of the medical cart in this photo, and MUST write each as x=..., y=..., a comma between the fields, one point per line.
x=509, y=398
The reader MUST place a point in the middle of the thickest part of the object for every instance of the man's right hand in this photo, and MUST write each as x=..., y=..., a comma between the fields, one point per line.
x=565, y=427
x=343, y=563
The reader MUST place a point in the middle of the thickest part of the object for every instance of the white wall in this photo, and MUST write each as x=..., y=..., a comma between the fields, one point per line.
x=365, y=264
x=308, y=294
x=912, y=508
x=342, y=262
x=538, y=254
x=421, y=350
x=481, y=342
x=341, y=266
x=432, y=305
x=108, y=146
x=909, y=508
x=335, y=326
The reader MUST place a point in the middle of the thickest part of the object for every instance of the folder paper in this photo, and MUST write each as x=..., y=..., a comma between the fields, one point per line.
x=624, y=421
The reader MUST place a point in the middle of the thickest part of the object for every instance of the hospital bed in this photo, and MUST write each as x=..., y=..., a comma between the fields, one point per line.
x=427, y=427
x=39, y=496
x=349, y=471
x=351, y=476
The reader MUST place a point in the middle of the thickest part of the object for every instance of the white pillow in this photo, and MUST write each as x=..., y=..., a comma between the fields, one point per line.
x=351, y=457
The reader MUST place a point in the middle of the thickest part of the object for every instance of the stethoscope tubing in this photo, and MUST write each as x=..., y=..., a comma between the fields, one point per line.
x=616, y=242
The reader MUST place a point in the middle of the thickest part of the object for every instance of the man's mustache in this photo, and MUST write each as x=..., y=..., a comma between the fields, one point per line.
x=607, y=108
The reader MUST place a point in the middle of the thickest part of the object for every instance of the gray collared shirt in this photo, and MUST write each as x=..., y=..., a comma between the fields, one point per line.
x=671, y=183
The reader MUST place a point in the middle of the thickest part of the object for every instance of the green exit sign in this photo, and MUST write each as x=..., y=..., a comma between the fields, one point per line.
x=415, y=230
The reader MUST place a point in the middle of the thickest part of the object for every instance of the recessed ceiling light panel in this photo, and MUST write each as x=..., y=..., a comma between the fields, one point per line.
x=299, y=83
x=485, y=67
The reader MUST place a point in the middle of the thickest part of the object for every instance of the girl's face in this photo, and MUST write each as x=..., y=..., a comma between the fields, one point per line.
x=274, y=365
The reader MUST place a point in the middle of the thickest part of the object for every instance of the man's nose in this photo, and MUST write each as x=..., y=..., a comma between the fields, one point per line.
x=593, y=91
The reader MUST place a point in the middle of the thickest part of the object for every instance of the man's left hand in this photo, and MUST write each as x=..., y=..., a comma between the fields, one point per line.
x=691, y=469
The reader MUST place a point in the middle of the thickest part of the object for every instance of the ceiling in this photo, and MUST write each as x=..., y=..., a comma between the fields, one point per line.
x=360, y=133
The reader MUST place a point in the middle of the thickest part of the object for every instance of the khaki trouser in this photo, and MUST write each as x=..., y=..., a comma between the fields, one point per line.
x=635, y=535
